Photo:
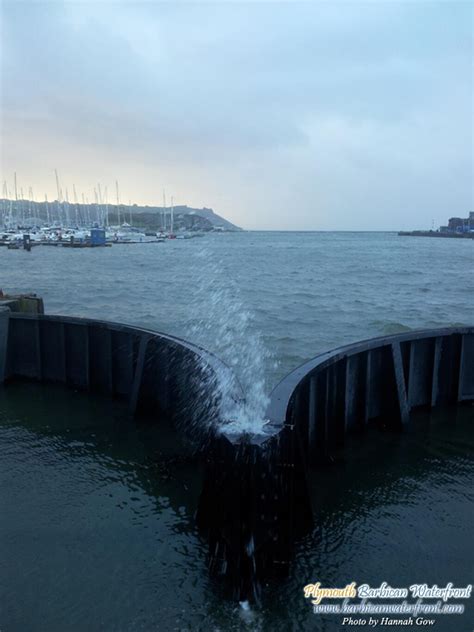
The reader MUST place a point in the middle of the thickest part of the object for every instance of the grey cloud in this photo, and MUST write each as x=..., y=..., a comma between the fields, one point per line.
x=319, y=95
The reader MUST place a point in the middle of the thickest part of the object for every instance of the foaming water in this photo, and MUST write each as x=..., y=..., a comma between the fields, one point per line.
x=221, y=320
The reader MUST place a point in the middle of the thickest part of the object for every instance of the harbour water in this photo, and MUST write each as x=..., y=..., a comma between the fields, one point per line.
x=97, y=529
x=264, y=300
x=97, y=526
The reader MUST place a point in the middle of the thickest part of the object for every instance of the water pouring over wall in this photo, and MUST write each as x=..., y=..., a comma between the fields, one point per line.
x=220, y=321
x=255, y=501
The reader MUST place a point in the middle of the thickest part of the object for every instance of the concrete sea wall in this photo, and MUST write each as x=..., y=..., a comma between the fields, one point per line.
x=255, y=501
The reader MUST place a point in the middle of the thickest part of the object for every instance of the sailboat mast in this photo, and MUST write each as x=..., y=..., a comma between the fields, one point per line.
x=57, y=185
x=48, y=219
x=16, y=197
x=96, y=203
x=30, y=205
x=76, y=211
x=59, y=196
x=5, y=202
x=106, y=199
x=118, y=202
x=22, y=199
x=164, y=211
x=172, y=216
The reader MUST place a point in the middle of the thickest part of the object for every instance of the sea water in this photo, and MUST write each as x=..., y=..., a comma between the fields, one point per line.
x=97, y=528
x=264, y=302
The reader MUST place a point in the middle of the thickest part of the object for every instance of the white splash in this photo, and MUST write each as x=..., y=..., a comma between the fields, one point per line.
x=221, y=324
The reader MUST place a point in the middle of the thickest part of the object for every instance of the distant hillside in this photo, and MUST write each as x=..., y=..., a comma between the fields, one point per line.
x=22, y=212
x=205, y=217
x=208, y=213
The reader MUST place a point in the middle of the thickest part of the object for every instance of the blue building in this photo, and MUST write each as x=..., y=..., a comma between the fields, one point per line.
x=97, y=237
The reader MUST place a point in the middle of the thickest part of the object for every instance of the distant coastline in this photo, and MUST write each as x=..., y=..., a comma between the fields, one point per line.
x=458, y=227
x=436, y=233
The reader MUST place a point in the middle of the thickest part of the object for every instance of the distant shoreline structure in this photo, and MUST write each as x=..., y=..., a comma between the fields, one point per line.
x=457, y=228
x=435, y=233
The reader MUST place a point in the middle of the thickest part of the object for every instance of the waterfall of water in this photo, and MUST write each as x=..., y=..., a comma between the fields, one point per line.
x=220, y=322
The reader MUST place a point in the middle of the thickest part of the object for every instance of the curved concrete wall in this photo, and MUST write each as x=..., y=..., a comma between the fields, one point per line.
x=310, y=414
x=382, y=378
x=255, y=500
x=156, y=373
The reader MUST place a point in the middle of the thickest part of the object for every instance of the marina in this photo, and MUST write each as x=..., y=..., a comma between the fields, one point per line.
x=94, y=237
x=25, y=223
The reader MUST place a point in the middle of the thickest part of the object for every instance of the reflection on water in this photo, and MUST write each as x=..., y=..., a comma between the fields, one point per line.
x=97, y=528
x=397, y=508
x=96, y=525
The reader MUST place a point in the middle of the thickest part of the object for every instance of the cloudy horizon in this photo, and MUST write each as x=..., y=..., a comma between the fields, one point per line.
x=307, y=116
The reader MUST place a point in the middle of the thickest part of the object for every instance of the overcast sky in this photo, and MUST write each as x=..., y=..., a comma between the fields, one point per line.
x=277, y=115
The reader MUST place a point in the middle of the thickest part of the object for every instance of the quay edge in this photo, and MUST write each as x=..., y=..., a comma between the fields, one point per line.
x=435, y=233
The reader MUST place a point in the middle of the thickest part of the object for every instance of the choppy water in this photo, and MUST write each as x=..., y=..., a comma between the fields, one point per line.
x=259, y=300
x=96, y=528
